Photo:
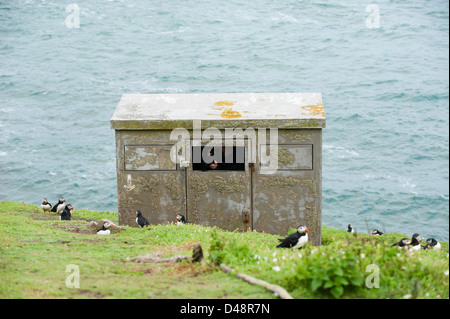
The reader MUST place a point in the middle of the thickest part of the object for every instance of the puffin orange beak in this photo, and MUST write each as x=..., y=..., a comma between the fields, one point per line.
x=112, y=226
x=307, y=230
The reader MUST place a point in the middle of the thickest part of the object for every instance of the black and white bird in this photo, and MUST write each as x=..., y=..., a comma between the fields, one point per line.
x=416, y=239
x=350, y=229
x=106, y=229
x=46, y=206
x=295, y=240
x=66, y=214
x=432, y=244
x=60, y=206
x=180, y=220
x=141, y=220
x=376, y=232
x=404, y=242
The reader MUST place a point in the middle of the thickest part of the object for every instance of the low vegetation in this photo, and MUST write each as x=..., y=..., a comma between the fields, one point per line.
x=37, y=251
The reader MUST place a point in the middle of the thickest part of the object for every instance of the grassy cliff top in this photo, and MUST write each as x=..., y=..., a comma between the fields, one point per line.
x=38, y=251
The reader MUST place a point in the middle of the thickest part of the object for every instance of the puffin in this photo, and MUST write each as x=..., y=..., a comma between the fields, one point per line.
x=295, y=240
x=432, y=244
x=105, y=230
x=350, y=229
x=404, y=242
x=46, y=206
x=66, y=213
x=180, y=220
x=376, y=232
x=416, y=239
x=60, y=206
x=141, y=220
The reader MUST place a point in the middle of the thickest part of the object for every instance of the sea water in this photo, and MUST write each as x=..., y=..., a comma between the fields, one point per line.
x=382, y=68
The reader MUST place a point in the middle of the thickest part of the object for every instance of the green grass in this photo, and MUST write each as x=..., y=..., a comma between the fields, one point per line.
x=36, y=248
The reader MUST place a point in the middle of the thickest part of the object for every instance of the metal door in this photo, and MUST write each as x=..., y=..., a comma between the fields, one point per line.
x=288, y=197
x=150, y=182
x=221, y=197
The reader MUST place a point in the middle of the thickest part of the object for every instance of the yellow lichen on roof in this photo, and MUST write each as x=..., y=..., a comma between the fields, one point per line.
x=224, y=103
x=314, y=109
x=230, y=114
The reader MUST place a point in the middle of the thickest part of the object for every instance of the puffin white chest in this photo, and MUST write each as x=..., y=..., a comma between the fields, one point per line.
x=104, y=232
x=301, y=241
x=60, y=207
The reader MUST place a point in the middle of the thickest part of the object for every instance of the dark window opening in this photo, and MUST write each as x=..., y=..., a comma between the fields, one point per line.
x=223, y=158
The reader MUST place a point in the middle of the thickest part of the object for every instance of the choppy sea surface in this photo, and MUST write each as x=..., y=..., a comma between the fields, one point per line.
x=383, y=73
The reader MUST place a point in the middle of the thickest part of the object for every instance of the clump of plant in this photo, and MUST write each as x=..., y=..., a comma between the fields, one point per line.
x=216, y=248
x=329, y=274
x=228, y=250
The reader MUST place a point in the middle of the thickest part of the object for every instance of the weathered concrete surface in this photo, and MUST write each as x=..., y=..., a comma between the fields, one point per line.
x=220, y=110
x=292, y=195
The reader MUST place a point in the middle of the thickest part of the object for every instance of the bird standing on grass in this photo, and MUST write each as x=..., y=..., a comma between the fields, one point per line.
x=180, y=220
x=404, y=242
x=432, y=244
x=66, y=213
x=46, y=206
x=105, y=230
x=416, y=239
x=376, y=232
x=350, y=229
x=141, y=220
x=295, y=240
x=60, y=206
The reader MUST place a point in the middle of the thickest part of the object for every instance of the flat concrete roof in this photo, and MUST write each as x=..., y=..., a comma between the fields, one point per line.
x=219, y=110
